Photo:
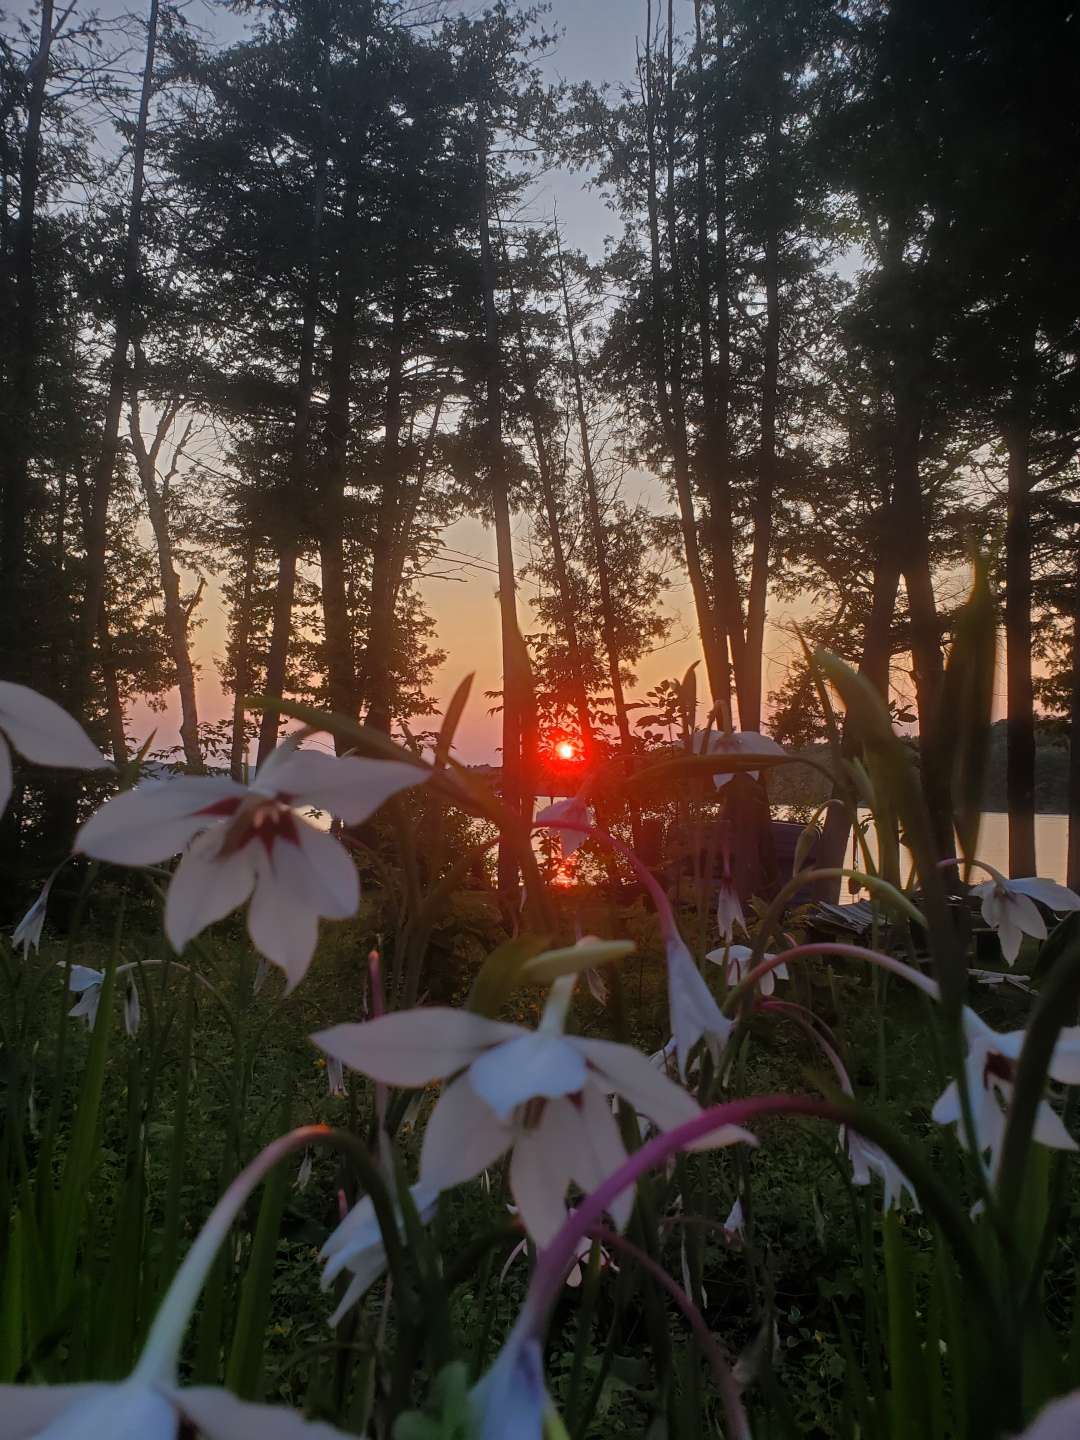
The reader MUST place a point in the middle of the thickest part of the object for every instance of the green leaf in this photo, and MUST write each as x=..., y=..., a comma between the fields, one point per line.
x=502, y=972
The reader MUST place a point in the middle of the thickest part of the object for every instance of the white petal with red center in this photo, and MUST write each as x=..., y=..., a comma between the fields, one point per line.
x=44, y=732
x=158, y=819
x=528, y=1065
x=463, y=1137
x=628, y=1073
x=540, y=1172
x=206, y=888
x=413, y=1047
x=1047, y=892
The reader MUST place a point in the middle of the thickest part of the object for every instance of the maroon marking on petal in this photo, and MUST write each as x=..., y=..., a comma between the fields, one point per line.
x=224, y=808
x=999, y=1067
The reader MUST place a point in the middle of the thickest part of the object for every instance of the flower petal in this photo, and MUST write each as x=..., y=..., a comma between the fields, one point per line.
x=206, y=888
x=217, y=1415
x=1049, y=1129
x=540, y=1172
x=1047, y=892
x=156, y=820
x=413, y=1047
x=334, y=882
x=351, y=787
x=463, y=1137
x=510, y=1401
x=946, y=1109
x=628, y=1073
x=528, y=1065
x=25, y=1410
x=128, y=1411
x=694, y=1012
x=45, y=733
x=595, y=1150
x=1059, y=1421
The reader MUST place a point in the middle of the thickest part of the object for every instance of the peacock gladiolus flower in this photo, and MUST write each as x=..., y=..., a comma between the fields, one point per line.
x=577, y=818
x=738, y=959
x=739, y=742
x=357, y=1246
x=539, y=1093
x=1008, y=906
x=42, y=733
x=242, y=841
x=991, y=1074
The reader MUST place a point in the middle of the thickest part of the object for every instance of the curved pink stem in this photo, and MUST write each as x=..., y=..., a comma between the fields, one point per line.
x=789, y=1009
x=832, y=947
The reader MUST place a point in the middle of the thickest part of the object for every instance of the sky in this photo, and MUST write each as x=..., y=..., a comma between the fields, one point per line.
x=597, y=42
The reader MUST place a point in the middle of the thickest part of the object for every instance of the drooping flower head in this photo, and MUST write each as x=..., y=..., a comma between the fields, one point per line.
x=42, y=733
x=244, y=841
x=576, y=817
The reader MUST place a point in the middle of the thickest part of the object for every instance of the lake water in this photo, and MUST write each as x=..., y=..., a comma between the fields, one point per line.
x=1051, y=845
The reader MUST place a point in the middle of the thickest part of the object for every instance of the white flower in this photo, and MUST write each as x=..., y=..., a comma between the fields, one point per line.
x=511, y=1401
x=246, y=841
x=868, y=1159
x=728, y=909
x=43, y=733
x=738, y=965
x=693, y=1010
x=357, y=1245
x=741, y=742
x=735, y=1224
x=540, y=1093
x=335, y=1077
x=1008, y=907
x=87, y=982
x=573, y=810
x=303, y=1176
x=132, y=1009
x=1059, y=1421
x=139, y=1410
x=991, y=1073
x=28, y=930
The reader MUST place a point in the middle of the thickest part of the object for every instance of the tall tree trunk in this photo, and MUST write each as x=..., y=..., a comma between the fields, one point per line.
x=1020, y=695
x=379, y=655
x=114, y=705
x=289, y=550
x=518, y=724
x=242, y=669
x=20, y=403
x=105, y=465
x=175, y=617
x=714, y=329
x=669, y=406
x=579, y=691
x=1073, y=879
x=603, y=573
x=757, y=600
x=337, y=628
